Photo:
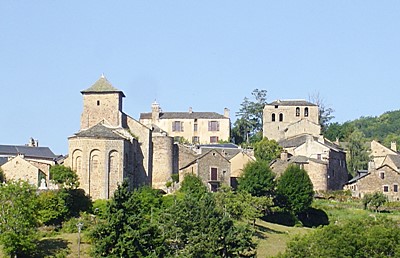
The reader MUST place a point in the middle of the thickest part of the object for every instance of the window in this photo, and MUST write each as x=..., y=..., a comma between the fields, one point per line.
x=98, y=103
x=297, y=111
x=280, y=117
x=195, y=139
x=306, y=111
x=395, y=188
x=195, y=127
x=177, y=126
x=386, y=188
x=319, y=156
x=382, y=175
x=214, y=174
x=273, y=118
x=213, y=126
x=214, y=139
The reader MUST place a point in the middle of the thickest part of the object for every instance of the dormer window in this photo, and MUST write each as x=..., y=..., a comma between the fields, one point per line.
x=297, y=111
x=306, y=111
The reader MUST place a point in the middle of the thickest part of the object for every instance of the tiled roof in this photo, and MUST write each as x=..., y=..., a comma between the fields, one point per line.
x=301, y=139
x=99, y=131
x=291, y=103
x=222, y=145
x=27, y=151
x=102, y=85
x=185, y=115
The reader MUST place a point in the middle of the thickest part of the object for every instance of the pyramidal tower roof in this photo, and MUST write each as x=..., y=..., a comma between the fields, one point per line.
x=102, y=85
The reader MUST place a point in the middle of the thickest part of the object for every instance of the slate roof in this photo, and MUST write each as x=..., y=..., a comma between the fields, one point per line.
x=301, y=139
x=99, y=131
x=300, y=102
x=197, y=158
x=185, y=115
x=27, y=151
x=222, y=145
x=228, y=150
x=395, y=159
x=102, y=85
x=360, y=174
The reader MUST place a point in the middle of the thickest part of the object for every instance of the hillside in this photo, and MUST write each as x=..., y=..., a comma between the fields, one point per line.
x=384, y=128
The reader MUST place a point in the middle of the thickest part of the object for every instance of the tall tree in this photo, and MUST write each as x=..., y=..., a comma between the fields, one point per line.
x=257, y=179
x=357, y=152
x=130, y=229
x=267, y=150
x=295, y=190
x=325, y=112
x=250, y=116
x=64, y=177
x=18, y=218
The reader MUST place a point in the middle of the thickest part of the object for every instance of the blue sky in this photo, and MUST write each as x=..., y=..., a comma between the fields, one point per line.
x=201, y=54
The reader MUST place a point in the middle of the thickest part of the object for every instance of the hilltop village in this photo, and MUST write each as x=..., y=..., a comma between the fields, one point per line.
x=111, y=147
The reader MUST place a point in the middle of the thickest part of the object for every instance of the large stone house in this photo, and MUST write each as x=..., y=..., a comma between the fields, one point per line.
x=111, y=146
x=294, y=124
x=194, y=127
x=28, y=162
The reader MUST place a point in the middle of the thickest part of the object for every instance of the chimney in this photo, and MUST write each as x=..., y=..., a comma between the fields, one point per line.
x=284, y=155
x=155, y=112
x=190, y=110
x=337, y=141
x=321, y=138
x=371, y=165
x=393, y=146
x=226, y=112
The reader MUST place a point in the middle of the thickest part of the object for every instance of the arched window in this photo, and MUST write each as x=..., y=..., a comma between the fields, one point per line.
x=280, y=117
x=273, y=117
x=306, y=111
x=297, y=111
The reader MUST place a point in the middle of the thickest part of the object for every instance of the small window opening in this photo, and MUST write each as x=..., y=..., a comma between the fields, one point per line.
x=280, y=117
x=306, y=111
x=273, y=117
x=98, y=103
x=297, y=111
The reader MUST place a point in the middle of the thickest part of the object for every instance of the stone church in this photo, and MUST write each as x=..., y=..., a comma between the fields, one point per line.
x=111, y=146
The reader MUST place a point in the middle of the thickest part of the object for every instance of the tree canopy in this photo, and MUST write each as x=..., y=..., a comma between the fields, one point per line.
x=295, y=190
x=64, y=176
x=357, y=152
x=267, y=150
x=257, y=179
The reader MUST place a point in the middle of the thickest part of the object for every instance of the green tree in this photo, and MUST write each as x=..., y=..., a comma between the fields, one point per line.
x=64, y=177
x=267, y=150
x=250, y=117
x=357, y=152
x=52, y=209
x=130, y=229
x=18, y=218
x=195, y=227
x=193, y=185
x=257, y=179
x=295, y=190
x=375, y=200
x=363, y=237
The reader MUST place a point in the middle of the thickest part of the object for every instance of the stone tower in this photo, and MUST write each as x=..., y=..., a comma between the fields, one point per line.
x=102, y=103
x=283, y=119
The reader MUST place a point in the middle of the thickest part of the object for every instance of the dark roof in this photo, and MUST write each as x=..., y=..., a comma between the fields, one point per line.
x=360, y=174
x=185, y=115
x=395, y=159
x=301, y=139
x=228, y=150
x=3, y=160
x=291, y=103
x=27, y=151
x=102, y=85
x=99, y=131
x=222, y=145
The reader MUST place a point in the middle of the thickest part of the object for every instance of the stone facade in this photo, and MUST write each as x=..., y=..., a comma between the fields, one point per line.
x=384, y=179
x=111, y=146
x=212, y=168
x=194, y=127
x=283, y=119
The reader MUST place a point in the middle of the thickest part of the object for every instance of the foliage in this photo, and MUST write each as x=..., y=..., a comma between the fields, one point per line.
x=130, y=229
x=294, y=190
x=375, y=200
x=64, y=177
x=257, y=179
x=325, y=112
x=99, y=208
x=250, y=117
x=267, y=150
x=364, y=237
x=192, y=185
x=195, y=227
x=18, y=218
x=357, y=152
x=52, y=207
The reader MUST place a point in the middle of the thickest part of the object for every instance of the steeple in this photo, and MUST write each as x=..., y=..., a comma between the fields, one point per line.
x=102, y=85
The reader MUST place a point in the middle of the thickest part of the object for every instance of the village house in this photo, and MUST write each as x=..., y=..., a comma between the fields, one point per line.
x=193, y=127
x=28, y=162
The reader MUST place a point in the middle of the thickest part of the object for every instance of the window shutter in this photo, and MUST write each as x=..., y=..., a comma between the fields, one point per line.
x=217, y=125
x=181, y=126
x=209, y=125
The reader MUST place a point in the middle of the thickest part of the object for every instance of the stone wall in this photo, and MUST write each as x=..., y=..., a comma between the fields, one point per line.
x=162, y=161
